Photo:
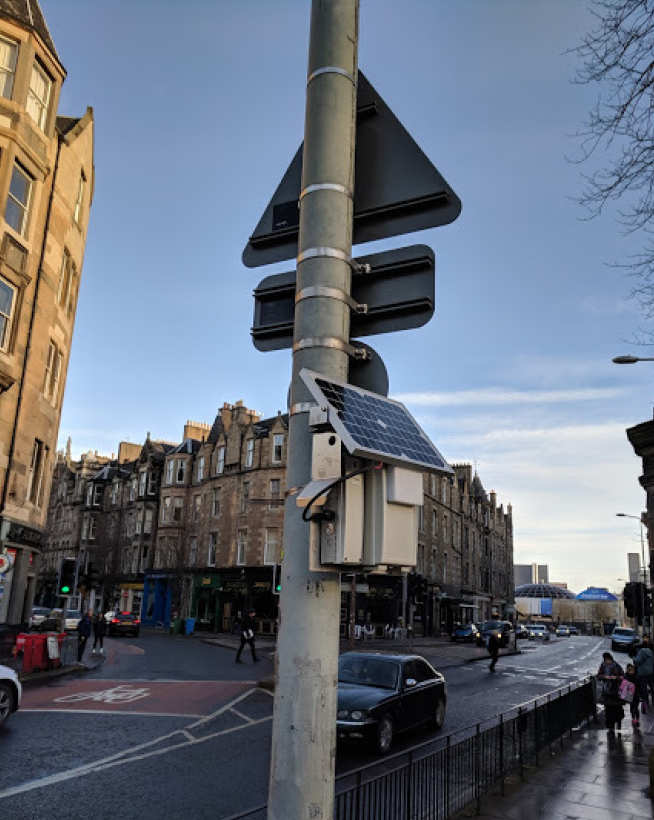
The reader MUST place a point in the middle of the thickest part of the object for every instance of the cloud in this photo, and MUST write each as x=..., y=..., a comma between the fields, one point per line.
x=499, y=395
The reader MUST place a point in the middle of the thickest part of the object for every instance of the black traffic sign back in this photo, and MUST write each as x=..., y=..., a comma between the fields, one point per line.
x=398, y=292
x=397, y=189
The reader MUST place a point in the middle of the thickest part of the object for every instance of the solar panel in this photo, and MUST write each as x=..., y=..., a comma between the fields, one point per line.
x=372, y=426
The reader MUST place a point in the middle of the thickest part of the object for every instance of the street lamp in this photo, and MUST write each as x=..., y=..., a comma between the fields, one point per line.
x=642, y=548
x=629, y=359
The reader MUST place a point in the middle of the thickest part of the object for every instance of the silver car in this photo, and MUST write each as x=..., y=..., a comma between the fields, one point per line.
x=10, y=693
x=538, y=632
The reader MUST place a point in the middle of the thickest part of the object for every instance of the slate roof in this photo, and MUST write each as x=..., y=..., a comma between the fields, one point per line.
x=189, y=445
x=477, y=489
x=28, y=13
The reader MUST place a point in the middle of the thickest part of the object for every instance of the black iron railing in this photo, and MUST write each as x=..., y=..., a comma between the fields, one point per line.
x=436, y=779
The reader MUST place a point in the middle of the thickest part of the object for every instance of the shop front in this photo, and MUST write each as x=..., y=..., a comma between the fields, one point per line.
x=156, y=599
x=131, y=598
x=206, y=602
x=22, y=547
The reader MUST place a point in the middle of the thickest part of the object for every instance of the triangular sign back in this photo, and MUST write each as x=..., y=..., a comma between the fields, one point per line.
x=397, y=189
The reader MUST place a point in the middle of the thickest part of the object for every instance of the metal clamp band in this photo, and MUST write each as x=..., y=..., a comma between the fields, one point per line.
x=331, y=69
x=325, y=186
x=302, y=407
x=332, y=253
x=333, y=343
x=330, y=293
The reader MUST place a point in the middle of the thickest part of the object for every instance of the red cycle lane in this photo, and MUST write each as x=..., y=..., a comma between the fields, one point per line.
x=192, y=698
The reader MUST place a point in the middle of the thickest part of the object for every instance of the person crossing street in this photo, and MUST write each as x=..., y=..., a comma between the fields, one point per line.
x=99, y=631
x=248, y=626
x=493, y=650
x=83, y=633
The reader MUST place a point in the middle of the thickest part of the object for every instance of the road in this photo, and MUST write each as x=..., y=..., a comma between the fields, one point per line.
x=172, y=727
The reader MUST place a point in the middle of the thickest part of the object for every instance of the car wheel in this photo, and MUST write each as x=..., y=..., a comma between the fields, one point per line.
x=6, y=702
x=439, y=714
x=384, y=736
x=136, y=634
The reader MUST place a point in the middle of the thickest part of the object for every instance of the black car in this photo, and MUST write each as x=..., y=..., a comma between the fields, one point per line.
x=124, y=623
x=502, y=629
x=521, y=631
x=466, y=633
x=380, y=695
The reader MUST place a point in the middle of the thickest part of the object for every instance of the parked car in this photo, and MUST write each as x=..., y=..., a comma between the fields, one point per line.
x=465, y=632
x=573, y=630
x=538, y=632
x=521, y=631
x=124, y=623
x=563, y=631
x=52, y=622
x=502, y=629
x=10, y=693
x=381, y=695
x=39, y=614
x=624, y=639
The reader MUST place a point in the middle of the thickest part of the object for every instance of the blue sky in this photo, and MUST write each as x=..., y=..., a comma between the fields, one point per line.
x=199, y=108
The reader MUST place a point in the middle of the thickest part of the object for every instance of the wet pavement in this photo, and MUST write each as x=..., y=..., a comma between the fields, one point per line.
x=596, y=776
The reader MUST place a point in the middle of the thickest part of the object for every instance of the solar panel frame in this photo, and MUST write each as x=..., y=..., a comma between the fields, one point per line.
x=360, y=440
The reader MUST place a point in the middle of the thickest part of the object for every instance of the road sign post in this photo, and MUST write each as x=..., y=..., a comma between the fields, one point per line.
x=304, y=721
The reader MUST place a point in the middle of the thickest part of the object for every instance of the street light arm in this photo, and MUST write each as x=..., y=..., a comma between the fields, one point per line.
x=629, y=359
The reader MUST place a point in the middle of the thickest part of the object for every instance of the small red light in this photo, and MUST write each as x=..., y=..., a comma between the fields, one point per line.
x=136, y=621
x=115, y=621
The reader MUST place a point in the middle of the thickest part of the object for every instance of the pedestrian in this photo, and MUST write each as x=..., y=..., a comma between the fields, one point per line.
x=644, y=663
x=99, y=631
x=493, y=650
x=630, y=675
x=248, y=625
x=610, y=674
x=83, y=632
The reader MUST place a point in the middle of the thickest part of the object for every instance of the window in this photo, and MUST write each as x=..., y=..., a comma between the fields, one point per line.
x=271, y=545
x=89, y=495
x=178, y=504
x=432, y=484
x=213, y=545
x=52, y=373
x=197, y=505
x=18, y=200
x=91, y=528
x=180, y=472
x=434, y=523
x=421, y=517
x=215, y=502
x=241, y=545
x=139, y=522
x=38, y=96
x=274, y=493
x=200, y=469
x=170, y=467
x=8, y=54
x=444, y=529
x=65, y=275
x=166, y=509
x=80, y=198
x=7, y=301
x=220, y=461
x=152, y=483
x=249, y=454
x=245, y=495
x=98, y=492
x=193, y=552
x=114, y=493
x=133, y=487
x=85, y=527
x=147, y=521
x=444, y=491
x=143, y=482
x=278, y=445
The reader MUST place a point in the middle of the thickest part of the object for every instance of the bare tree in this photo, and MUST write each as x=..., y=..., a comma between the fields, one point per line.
x=618, y=56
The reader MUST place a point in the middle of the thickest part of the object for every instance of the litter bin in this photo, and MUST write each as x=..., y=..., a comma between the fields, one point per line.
x=33, y=647
x=176, y=626
x=190, y=625
x=53, y=648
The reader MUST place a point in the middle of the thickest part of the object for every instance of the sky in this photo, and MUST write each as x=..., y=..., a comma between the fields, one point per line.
x=199, y=108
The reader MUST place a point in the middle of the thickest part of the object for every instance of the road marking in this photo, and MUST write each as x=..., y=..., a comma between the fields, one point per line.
x=129, y=756
x=109, y=712
x=242, y=716
x=222, y=709
x=122, y=693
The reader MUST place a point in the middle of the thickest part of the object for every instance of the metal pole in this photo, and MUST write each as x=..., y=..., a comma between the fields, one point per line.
x=304, y=722
x=353, y=608
x=643, y=589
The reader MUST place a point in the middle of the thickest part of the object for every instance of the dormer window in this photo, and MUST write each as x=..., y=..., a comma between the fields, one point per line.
x=181, y=471
x=143, y=482
x=170, y=468
x=249, y=454
x=38, y=96
x=8, y=54
x=278, y=445
x=220, y=461
x=200, y=468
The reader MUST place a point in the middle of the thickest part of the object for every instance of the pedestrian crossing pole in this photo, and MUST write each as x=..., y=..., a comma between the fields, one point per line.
x=304, y=722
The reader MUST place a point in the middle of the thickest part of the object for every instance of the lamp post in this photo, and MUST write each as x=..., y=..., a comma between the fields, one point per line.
x=644, y=566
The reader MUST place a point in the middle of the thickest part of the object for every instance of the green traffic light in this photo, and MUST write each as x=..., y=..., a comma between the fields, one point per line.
x=278, y=588
x=65, y=590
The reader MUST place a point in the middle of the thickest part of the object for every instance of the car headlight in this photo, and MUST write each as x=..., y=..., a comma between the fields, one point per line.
x=357, y=715
x=342, y=714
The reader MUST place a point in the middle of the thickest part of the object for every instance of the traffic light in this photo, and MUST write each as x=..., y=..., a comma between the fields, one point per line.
x=648, y=602
x=67, y=576
x=92, y=576
x=277, y=579
x=628, y=598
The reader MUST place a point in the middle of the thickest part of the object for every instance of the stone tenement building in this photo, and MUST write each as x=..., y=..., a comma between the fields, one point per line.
x=46, y=186
x=197, y=528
